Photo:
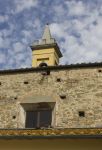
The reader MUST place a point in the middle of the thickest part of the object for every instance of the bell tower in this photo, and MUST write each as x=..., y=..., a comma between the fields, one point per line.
x=45, y=50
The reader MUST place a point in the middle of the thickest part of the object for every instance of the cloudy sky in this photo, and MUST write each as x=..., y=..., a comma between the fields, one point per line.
x=76, y=25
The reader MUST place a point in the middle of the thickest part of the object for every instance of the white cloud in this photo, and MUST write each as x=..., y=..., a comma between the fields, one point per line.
x=56, y=29
x=59, y=10
x=4, y=43
x=82, y=35
x=76, y=7
x=6, y=36
x=24, y=4
x=1, y=42
x=18, y=47
x=3, y=18
x=76, y=25
x=2, y=58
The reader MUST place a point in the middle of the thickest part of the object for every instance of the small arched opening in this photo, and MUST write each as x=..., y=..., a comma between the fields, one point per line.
x=43, y=65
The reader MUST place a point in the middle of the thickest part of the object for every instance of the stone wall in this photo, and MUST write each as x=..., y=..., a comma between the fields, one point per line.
x=72, y=90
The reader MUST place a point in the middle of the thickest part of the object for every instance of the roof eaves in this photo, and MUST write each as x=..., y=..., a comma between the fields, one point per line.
x=51, y=68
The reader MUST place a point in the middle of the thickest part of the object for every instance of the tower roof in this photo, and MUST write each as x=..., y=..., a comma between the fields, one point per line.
x=46, y=37
x=47, y=33
x=47, y=41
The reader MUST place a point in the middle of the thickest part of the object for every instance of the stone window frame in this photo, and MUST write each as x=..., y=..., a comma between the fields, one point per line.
x=23, y=109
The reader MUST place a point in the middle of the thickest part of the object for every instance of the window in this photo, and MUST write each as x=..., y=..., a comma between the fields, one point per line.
x=42, y=59
x=81, y=114
x=38, y=118
x=37, y=115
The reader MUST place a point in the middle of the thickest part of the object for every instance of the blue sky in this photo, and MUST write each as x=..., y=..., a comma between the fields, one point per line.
x=76, y=25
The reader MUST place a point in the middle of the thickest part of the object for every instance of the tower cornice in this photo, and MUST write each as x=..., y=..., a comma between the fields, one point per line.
x=45, y=46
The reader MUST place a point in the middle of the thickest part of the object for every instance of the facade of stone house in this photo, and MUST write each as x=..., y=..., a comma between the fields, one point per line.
x=49, y=95
x=72, y=95
x=51, y=106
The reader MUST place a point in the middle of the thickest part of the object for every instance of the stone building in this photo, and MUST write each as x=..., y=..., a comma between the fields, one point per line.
x=57, y=100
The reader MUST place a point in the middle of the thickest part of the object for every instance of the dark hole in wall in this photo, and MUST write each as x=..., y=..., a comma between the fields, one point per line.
x=99, y=70
x=81, y=114
x=63, y=96
x=46, y=72
x=14, y=117
x=26, y=82
x=58, y=80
